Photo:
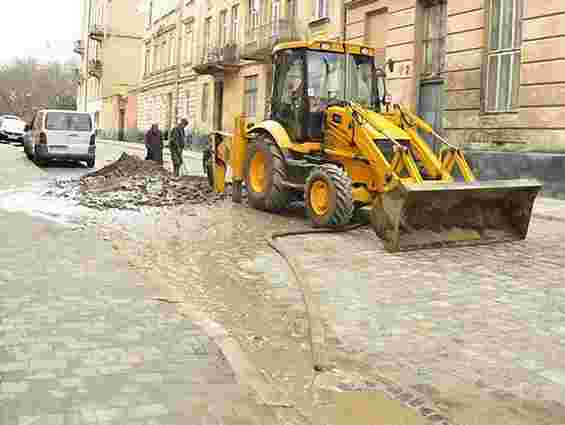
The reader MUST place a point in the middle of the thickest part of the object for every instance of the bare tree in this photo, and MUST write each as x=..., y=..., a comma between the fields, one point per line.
x=26, y=85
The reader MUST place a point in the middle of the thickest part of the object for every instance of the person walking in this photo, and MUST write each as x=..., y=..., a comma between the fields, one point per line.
x=154, y=144
x=176, y=145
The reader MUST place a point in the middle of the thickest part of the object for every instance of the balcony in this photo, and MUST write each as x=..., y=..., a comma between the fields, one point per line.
x=217, y=60
x=95, y=68
x=78, y=48
x=260, y=41
x=96, y=32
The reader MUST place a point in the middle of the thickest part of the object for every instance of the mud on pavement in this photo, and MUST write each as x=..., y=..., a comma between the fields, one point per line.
x=131, y=183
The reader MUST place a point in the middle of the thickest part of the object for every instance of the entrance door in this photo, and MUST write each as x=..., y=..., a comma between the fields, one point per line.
x=219, y=105
x=430, y=107
x=122, y=119
x=376, y=27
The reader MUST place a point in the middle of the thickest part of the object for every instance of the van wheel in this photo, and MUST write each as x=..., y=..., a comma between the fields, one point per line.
x=90, y=163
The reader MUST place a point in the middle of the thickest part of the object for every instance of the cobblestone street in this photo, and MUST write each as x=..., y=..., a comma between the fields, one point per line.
x=465, y=336
x=83, y=340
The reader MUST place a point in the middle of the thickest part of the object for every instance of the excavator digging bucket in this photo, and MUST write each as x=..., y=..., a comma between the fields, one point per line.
x=432, y=215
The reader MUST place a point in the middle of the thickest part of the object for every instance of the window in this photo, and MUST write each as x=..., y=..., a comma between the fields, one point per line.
x=147, y=60
x=235, y=24
x=68, y=121
x=156, y=57
x=434, y=38
x=164, y=54
x=188, y=42
x=207, y=26
x=291, y=9
x=187, y=104
x=276, y=16
x=223, y=28
x=172, y=60
x=204, y=111
x=503, y=57
x=156, y=110
x=254, y=13
x=250, y=96
x=321, y=9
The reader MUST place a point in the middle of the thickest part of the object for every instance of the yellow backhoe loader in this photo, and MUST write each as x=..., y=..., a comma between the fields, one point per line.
x=334, y=138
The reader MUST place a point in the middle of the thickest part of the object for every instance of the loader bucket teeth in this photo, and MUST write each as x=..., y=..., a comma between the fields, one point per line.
x=432, y=215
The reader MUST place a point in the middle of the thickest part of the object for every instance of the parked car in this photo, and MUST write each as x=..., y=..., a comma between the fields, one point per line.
x=58, y=134
x=11, y=128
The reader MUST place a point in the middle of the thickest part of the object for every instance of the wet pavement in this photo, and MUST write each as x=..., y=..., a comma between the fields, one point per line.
x=461, y=335
x=83, y=338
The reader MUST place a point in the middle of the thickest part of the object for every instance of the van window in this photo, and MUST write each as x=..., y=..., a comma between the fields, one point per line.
x=66, y=121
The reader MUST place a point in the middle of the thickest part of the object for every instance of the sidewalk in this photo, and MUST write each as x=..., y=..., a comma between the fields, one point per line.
x=140, y=146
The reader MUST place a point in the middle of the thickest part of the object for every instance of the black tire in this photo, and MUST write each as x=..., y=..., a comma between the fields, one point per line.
x=275, y=196
x=90, y=163
x=340, y=192
x=208, y=166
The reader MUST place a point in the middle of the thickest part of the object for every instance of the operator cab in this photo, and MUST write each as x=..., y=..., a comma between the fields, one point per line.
x=308, y=80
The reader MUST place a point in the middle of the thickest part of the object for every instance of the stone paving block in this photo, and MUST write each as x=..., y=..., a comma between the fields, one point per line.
x=14, y=387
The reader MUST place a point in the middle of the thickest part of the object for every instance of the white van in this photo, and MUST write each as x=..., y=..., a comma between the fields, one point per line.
x=67, y=135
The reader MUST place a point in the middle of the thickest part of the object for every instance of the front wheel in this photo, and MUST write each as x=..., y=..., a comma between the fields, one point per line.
x=329, y=197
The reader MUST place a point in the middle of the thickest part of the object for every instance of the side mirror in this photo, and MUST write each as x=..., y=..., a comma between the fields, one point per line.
x=390, y=64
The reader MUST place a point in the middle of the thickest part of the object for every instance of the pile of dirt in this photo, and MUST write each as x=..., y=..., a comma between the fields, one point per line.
x=131, y=182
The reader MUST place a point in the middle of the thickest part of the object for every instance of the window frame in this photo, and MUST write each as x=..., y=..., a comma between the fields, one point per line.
x=434, y=43
x=321, y=9
x=223, y=28
x=234, y=30
x=250, y=93
x=188, y=41
x=491, y=54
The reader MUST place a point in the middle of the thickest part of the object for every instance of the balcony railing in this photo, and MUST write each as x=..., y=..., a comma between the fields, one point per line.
x=96, y=32
x=78, y=47
x=260, y=41
x=217, y=60
x=95, y=68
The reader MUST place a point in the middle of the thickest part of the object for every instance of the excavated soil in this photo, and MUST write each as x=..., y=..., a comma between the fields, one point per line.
x=131, y=182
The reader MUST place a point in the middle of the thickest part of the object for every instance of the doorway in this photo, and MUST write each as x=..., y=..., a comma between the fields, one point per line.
x=121, y=125
x=430, y=108
x=218, y=105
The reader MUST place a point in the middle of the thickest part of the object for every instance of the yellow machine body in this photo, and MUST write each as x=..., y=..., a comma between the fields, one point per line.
x=378, y=159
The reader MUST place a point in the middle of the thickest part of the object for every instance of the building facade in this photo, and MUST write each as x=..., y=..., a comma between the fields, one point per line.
x=112, y=32
x=478, y=70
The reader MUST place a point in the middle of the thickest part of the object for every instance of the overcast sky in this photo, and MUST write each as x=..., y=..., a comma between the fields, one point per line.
x=39, y=28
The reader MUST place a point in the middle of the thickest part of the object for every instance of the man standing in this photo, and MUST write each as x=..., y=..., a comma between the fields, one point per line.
x=154, y=144
x=176, y=145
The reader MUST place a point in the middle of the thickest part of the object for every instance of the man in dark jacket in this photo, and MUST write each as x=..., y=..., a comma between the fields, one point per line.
x=176, y=145
x=154, y=144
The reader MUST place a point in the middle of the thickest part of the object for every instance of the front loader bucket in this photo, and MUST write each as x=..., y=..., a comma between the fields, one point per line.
x=431, y=215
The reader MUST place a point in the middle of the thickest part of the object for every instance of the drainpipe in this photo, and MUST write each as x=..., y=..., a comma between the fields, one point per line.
x=86, y=55
x=180, y=8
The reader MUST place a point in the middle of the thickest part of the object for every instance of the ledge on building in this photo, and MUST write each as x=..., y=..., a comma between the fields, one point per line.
x=319, y=22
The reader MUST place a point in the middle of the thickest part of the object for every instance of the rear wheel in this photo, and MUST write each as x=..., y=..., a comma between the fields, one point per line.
x=265, y=173
x=208, y=166
x=329, y=197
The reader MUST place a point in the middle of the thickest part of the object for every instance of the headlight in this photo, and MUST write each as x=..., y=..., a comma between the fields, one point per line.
x=364, y=51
